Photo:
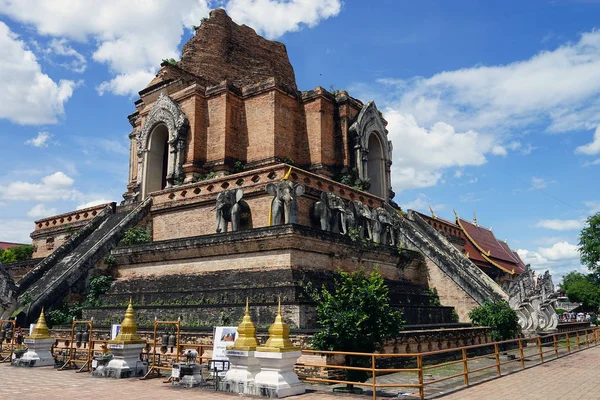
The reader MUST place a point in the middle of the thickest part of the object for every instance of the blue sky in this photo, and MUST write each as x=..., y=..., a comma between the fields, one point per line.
x=493, y=107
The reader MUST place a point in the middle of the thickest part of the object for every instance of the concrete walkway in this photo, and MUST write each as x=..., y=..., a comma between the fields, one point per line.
x=576, y=376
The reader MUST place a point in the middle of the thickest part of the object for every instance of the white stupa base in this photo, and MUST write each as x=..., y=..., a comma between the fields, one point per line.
x=243, y=367
x=37, y=355
x=277, y=377
x=125, y=363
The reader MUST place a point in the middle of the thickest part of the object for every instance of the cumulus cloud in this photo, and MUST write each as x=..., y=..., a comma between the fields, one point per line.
x=421, y=163
x=40, y=211
x=56, y=186
x=539, y=183
x=593, y=147
x=282, y=16
x=41, y=140
x=15, y=230
x=560, y=258
x=59, y=47
x=133, y=47
x=93, y=203
x=422, y=203
x=560, y=224
x=27, y=95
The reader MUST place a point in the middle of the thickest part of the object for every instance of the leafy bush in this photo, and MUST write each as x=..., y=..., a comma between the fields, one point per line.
x=65, y=314
x=434, y=297
x=238, y=167
x=98, y=285
x=560, y=310
x=499, y=317
x=136, y=236
x=18, y=253
x=355, y=317
x=352, y=179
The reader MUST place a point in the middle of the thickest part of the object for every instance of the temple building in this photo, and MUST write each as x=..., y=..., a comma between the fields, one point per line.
x=247, y=187
x=481, y=246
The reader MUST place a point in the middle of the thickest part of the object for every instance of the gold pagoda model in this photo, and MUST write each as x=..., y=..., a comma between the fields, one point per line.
x=246, y=334
x=128, y=331
x=279, y=335
x=39, y=344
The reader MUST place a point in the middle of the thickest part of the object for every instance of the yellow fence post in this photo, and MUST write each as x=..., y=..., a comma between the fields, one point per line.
x=578, y=341
x=465, y=367
x=420, y=373
x=568, y=342
x=521, y=353
x=497, y=358
x=555, y=345
x=539, y=340
x=374, y=377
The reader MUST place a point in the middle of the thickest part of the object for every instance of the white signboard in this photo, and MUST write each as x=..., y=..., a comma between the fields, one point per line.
x=114, y=331
x=31, y=326
x=224, y=336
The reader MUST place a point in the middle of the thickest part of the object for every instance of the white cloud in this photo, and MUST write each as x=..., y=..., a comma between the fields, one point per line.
x=560, y=224
x=590, y=163
x=93, y=203
x=16, y=230
x=60, y=47
x=421, y=163
x=40, y=211
x=57, y=186
x=593, y=147
x=560, y=258
x=132, y=39
x=499, y=151
x=593, y=206
x=282, y=16
x=539, y=183
x=27, y=95
x=422, y=203
x=562, y=85
x=41, y=140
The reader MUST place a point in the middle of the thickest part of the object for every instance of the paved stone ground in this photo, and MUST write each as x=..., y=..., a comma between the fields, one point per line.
x=572, y=377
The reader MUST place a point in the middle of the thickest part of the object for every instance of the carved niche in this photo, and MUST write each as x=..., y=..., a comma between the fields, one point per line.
x=370, y=122
x=164, y=111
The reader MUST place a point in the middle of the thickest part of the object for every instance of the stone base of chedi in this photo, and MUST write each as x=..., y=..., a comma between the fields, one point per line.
x=534, y=302
x=38, y=347
x=126, y=349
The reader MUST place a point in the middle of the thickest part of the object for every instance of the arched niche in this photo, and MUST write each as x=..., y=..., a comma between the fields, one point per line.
x=164, y=116
x=156, y=159
x=376, y=166
x=372, y=155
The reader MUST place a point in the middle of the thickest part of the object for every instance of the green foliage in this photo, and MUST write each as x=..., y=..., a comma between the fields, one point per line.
x=195, y=27
x=136, y=236
x=454, y=316
x=171, y=61
x=560, y=310
x=499, y=316
x=582, y=288
x=98, y=285
x=26, y=298
x=65, y=314
x=594, y=319
x=355, y=317
x=204, y=177
x=434, y=297
x=18, y=253
x=589, y=243
x=352, y=179
x=238, y=167
x=110, y=261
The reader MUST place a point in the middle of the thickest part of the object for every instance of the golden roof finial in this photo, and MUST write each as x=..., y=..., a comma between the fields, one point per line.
x=432, y=213
x=128, y=331
x=475, y=217
x=40, y=330
x=279, y=335
x=246, y=333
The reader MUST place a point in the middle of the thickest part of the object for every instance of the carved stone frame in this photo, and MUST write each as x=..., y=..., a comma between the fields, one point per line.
x=370, y=122
x=164, y=111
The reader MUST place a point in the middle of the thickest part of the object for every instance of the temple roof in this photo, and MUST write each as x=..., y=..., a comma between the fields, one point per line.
x=8, y=245
x=482, y=241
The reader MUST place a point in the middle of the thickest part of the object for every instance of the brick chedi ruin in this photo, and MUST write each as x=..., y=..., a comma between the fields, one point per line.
x=248, y=188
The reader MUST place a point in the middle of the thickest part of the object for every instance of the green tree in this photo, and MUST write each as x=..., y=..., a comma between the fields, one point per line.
x=18, y=253
x=589, y=243
x=355, y=317
x=582, y=288
x=136, y=236
x=499, y=317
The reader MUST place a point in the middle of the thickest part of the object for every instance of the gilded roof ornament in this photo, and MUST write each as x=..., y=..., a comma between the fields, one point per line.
x=279, y=335
x=432, y=213
x=128, y=332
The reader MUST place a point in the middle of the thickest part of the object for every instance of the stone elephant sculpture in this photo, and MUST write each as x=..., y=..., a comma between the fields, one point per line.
x=386, y=227
x=331, y=211
x=364, y=219
x=284, y=206
x=229, y=209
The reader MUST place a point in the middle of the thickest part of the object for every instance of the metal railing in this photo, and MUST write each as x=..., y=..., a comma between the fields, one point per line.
x=545, y=348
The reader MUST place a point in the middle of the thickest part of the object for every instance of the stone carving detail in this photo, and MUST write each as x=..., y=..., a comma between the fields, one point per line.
x=534, y=302
x=385, y=226
x=230, y=207
x=331, y=212
x=284, y=205
x=365, y=219
x=370, y=122
x=166, y=111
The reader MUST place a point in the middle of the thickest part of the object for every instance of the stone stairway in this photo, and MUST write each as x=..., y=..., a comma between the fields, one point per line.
x=419, y=235
x=54, y=276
